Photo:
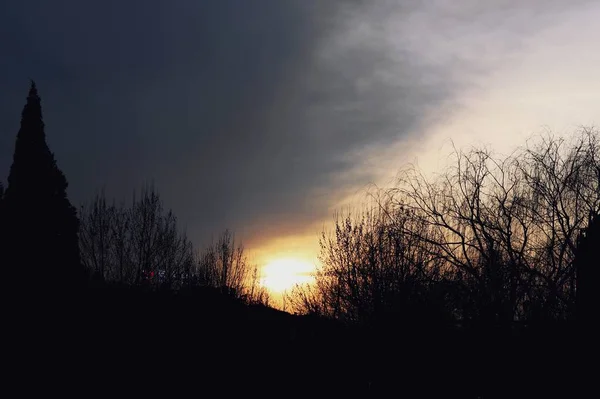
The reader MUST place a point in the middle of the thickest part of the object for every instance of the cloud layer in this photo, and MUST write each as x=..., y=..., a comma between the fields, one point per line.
x=254, y=115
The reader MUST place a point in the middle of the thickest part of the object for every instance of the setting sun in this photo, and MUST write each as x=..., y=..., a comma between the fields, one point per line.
x=280, y=275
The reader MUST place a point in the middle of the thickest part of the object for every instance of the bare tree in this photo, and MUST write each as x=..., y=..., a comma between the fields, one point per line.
x=137, y=245
x=493, y=237
x=256, y=293
x=369, y=269
x=224, y=265
x=95, y=234
x=508, y=225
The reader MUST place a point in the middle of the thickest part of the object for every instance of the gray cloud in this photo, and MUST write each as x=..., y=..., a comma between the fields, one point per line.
x=243, y=112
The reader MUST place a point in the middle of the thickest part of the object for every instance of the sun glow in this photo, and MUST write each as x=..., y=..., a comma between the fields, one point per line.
x=281, y=275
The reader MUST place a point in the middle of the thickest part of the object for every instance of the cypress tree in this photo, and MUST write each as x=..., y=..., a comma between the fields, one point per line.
x=39, y=224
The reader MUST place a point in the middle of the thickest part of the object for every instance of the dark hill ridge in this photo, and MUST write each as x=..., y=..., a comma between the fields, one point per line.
x=137, y=342
x=203, y=312
x=205, y=336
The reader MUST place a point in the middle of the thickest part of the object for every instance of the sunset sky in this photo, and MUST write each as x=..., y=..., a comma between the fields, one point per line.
x=265, y=116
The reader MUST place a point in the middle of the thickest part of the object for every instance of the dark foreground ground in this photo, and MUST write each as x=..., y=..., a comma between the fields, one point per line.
x=122, y=344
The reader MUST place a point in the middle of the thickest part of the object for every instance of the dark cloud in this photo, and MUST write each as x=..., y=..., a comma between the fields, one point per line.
x=243, y=112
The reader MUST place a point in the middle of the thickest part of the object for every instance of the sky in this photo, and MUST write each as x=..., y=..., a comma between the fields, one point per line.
x=266, y=116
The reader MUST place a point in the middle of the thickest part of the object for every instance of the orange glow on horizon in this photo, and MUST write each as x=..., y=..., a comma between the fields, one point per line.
x=282, y=274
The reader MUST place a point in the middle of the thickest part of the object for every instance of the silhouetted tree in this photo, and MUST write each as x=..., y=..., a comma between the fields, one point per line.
x=507, y=227
x=224, y=265
x=1, y=204
x=137, y=245
x=588, y=273
x=257, y=293
x=141, y=245
x=371, y=272
x=39, y=224
x=493, y=238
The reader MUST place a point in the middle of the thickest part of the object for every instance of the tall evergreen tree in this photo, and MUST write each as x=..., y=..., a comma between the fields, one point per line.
x=40, y=226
